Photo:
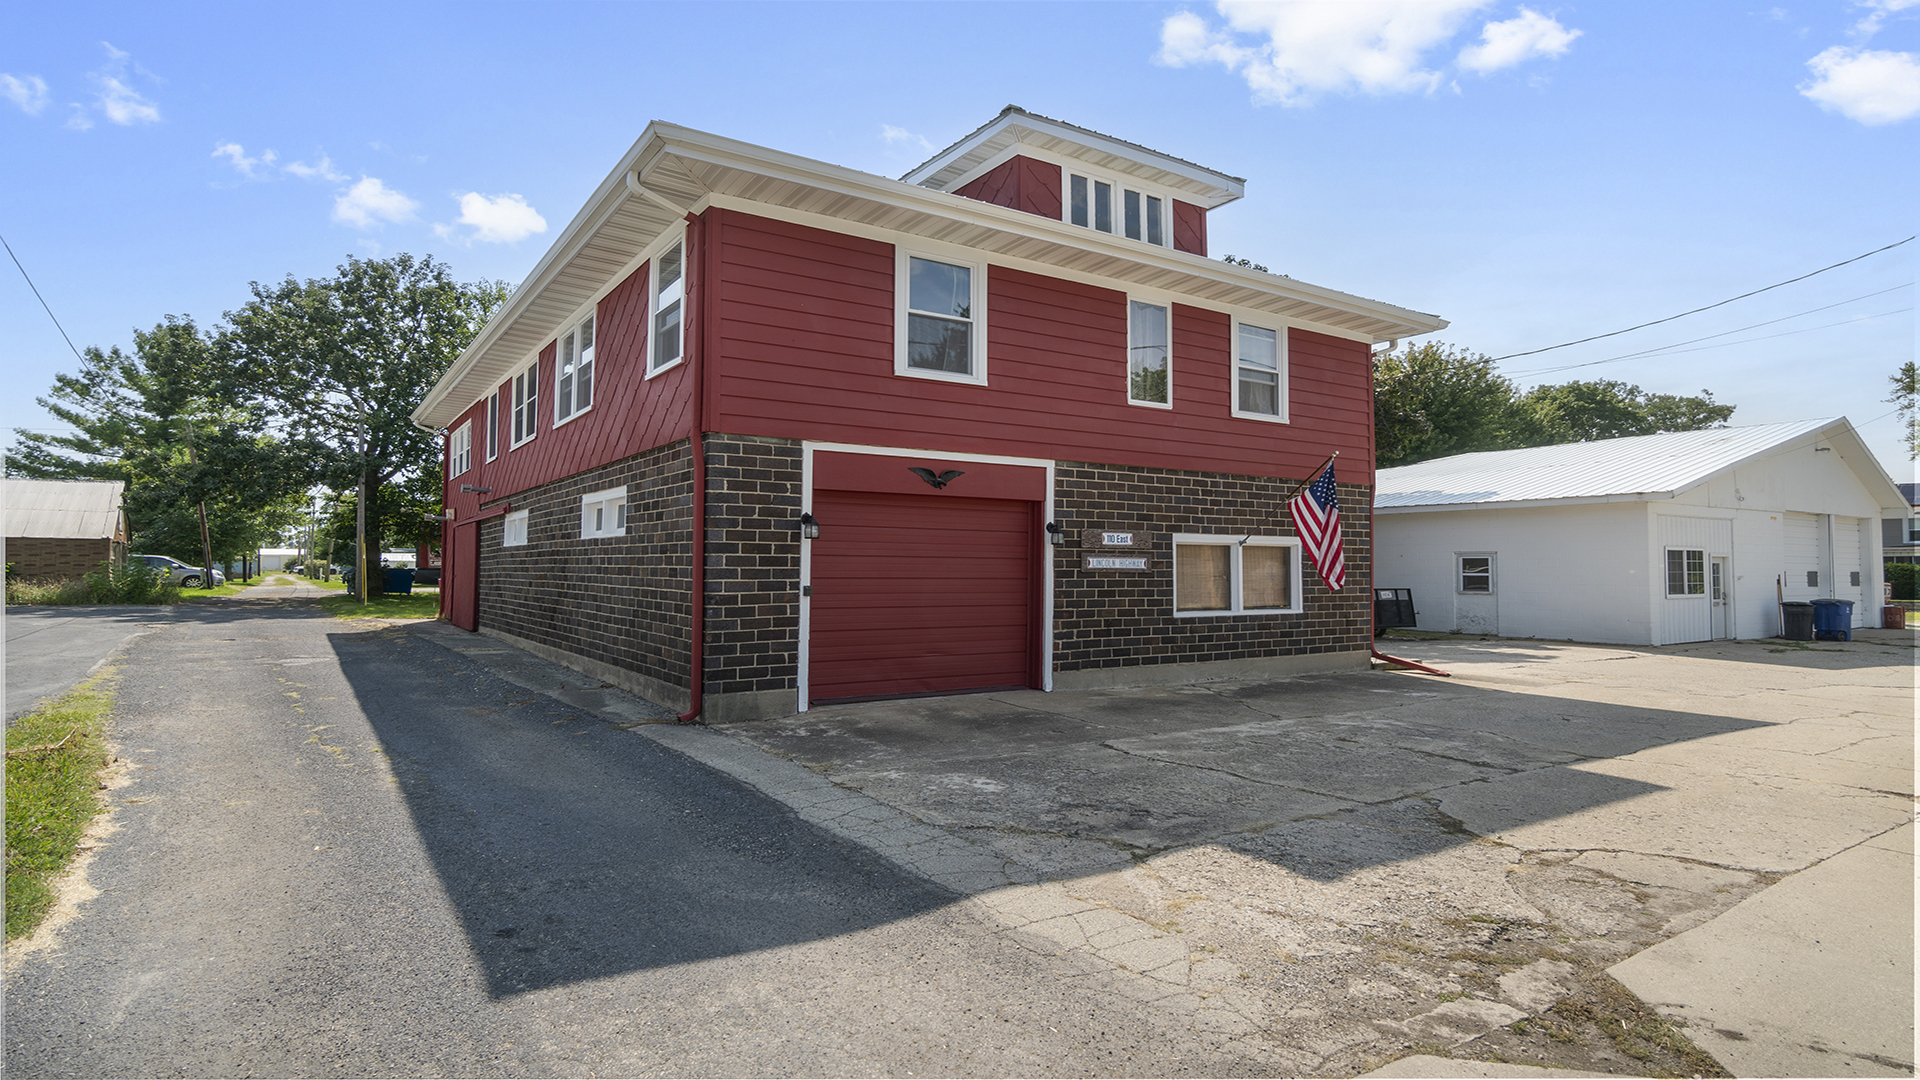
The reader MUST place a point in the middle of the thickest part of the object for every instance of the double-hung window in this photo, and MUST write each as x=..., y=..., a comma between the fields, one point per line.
x=1105, y=206
x=1260, y=372
x=526, y=404
x=1476, y=573
x=667, y=334
x=1686, y=572
x=1149, y=354
x=1231, y=575
x=460, y=449
x=493, y=425
x=939, y=329
x=603, y=513
x=573, y=373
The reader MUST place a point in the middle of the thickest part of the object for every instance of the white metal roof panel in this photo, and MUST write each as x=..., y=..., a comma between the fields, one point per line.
x=1640, y=466
x=63, y=509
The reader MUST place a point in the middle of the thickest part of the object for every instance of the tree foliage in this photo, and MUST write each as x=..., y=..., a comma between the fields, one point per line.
x=1434, y=400
x=342, y=361
x=1906, y=396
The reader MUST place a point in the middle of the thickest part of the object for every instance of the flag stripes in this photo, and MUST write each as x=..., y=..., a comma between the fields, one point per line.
x=1316, y=517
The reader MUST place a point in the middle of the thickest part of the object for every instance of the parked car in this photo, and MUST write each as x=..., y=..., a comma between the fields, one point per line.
x=187, y=577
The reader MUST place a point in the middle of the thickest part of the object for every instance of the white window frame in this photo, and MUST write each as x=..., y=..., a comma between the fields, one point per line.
x=492, y=441
x=1165, y=304
x=1282, y=398
x=460, y=450
x=902, y=288
x=1460, y=573
x=1686, y=582
x=603, y=513
x=514, y=531
x=564, y=365
x=1121, y=187
x=1236, y=589
x=525, y=405
x=675, y=293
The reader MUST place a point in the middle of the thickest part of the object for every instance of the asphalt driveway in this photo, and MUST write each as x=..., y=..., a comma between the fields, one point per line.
x=49, y=649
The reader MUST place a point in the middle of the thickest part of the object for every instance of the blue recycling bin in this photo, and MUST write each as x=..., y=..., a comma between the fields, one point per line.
x=1833, y=620
x=399, y=578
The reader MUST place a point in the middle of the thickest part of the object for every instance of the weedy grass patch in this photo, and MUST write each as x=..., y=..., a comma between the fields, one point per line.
x=129, y=583
x=386, y=606
x=54, y=758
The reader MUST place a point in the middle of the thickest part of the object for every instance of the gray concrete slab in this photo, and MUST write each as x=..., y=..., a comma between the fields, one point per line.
x=1813, y=977
x=50, y=649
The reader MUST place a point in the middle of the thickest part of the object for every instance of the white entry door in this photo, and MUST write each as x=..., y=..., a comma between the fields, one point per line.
x=1718, y=589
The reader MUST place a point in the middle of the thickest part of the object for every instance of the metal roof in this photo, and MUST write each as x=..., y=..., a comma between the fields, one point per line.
x=64, y=509
x=1605, y=470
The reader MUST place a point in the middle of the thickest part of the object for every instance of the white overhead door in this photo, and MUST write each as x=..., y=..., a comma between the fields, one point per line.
x=1801, y=538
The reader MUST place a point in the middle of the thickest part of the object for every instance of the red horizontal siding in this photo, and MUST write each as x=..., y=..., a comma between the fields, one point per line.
x=807, y=354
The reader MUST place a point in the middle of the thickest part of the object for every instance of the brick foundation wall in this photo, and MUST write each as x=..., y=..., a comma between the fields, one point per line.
x=620, y=600
x=1117, y=618
x=753, y=567
x=42, y=557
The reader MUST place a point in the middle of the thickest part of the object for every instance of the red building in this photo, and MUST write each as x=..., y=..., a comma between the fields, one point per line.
x=819, y=435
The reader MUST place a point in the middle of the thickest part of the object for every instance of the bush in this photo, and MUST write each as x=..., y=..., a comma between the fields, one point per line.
x=1902, y=577
x=129, y=583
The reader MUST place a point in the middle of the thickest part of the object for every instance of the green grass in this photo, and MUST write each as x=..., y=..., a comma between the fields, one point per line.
x=420, y=605
x=53, y=792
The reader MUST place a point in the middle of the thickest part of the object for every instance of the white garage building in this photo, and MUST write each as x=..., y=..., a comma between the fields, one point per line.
x=1650, y=540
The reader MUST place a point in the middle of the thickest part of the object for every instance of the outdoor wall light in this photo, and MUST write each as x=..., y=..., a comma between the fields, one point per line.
x=1055, y=534
x=809, y=528
x=465, y=488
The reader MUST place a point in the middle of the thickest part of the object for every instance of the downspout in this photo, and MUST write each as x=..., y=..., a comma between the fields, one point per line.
x=697, y=636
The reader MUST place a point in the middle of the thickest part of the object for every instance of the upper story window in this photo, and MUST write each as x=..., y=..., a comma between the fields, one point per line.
x=668, y=330
x=1149, y=355
x=573, y=373
x=1913, y=530
x=938, y=325
x=460, y=449
x=493, y=425
x=526, y=404
x=1114, y=206
x=1260, y=372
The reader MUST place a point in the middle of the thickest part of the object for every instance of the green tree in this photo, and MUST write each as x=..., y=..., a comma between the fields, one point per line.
x=165, y=422
x=1434, y=400
x=342, y=361
x=1604, y=409
x=1906, y=395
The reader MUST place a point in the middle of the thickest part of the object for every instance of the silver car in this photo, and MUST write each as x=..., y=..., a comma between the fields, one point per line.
x=187, y=577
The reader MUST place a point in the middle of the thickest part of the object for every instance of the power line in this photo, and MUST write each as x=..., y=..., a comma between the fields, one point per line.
x=1722, y=345
x=42, y=299
x=1709, y=307
x=1723, y=333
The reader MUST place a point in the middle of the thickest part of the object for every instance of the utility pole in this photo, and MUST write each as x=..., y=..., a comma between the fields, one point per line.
x=206, y=541
x=360, y=541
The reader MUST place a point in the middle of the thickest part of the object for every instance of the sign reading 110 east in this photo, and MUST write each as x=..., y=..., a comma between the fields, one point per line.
x=1134, y=549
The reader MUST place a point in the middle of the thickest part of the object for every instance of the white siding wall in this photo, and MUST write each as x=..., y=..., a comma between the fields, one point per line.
x=1801, y=535
x=1578, y=572
x=1687, y=618
x=1846, y=562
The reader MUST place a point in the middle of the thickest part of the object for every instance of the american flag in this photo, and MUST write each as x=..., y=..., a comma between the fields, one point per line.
x=1316, y=516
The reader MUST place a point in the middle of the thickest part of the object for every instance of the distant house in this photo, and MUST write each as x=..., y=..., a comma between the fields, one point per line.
x=64, y=528
x=1900, y=535
x=1652, y=540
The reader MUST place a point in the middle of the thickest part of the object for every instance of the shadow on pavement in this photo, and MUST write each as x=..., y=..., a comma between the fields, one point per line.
x=573, y=850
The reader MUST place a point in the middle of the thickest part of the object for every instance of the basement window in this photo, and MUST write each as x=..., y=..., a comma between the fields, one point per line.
x=516, y=530
x=603, y=513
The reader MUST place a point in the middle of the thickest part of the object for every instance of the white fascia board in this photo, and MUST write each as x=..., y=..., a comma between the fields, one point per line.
x=997, y=137
x=1525, y=504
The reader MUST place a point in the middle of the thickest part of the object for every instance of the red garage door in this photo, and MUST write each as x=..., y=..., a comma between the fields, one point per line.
x=920, y=595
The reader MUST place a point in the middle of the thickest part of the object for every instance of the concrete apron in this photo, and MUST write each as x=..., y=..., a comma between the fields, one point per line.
x=1290, y=863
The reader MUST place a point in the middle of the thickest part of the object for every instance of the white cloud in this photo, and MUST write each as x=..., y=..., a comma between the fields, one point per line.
x=123, y=104
x=1515, y=41
x=320, y=170
x=1300, y=50
x=369, y=202
x=237, y=157
x=30, y=93
x=501, y=219
x=1869, y=85
x=78, y=119
x=894, y=135
x=1877, y=12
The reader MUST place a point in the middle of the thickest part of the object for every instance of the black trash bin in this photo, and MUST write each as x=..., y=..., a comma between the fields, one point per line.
x=1833, y=620
x=1391, y=608
x=399, y=578
x=1796, y=617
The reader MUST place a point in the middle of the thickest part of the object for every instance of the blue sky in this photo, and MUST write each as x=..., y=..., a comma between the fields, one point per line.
x=1534, y=173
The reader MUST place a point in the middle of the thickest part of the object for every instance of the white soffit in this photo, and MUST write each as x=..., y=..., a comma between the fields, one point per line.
x=686, y=167
x=1609, y=470
x=957, y=164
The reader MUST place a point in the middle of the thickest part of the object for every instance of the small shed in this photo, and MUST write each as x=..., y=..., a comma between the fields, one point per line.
x=1649, y=540
x=64, y=528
